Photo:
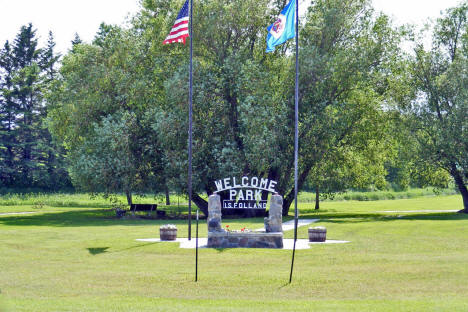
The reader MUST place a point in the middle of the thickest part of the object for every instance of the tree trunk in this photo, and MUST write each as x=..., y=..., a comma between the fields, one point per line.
x=26, y=161
x=317, y=199
x=9, y=162
x=288, y=199
x=129, y=197
x=168, y=200
x=50, y=170
x=461, y=186
x=272, y=175
x=201, y=203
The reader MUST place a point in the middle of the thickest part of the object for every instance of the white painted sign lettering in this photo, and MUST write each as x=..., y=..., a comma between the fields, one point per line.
x=246, y=192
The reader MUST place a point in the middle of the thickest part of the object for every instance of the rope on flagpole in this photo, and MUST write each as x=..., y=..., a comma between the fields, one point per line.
x=296, y=139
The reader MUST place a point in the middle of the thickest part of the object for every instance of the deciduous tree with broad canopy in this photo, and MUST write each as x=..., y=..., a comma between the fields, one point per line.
x=439, y=112
x=243, y=97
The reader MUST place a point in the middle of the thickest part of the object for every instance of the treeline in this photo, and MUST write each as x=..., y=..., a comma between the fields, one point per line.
x=371, y=114
x=28, y=156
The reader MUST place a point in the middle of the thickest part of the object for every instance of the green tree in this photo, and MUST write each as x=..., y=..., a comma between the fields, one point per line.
x=7, y=118
x=100, y=103
x=350, y=167
x=346, y=56
x=109, y=163
x=27, y=72
x=231, y=84
x=406, y=168
x=440, y=108
x=243, y=98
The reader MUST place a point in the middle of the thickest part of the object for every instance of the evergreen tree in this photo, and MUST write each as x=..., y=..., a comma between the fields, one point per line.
x=52, y=159
x=26, y=93
x=76, y=41
x=49, y=59
x=26, y=148
x=7, y=117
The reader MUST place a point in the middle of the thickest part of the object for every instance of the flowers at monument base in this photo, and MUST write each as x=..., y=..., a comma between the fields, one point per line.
x=242, y=230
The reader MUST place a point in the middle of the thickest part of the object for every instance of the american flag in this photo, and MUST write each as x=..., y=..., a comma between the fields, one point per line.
x=180, y=29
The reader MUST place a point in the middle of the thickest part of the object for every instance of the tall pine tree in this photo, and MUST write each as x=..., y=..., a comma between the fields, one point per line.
x=8, y=114
x=27, y=72
x=26, y=93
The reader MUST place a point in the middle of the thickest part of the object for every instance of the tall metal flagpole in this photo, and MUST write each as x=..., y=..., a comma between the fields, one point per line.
x=296, y=138
x=190, y=126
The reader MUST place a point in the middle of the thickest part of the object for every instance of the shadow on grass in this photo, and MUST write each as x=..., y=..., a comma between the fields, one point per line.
x=95, y=217
x=133, y=247
x=106, y=217
x=372, y=217
x=284, y=285
x=220, y=250
x=97, y=250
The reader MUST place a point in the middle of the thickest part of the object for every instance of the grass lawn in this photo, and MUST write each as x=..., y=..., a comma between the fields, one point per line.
x=80, y=258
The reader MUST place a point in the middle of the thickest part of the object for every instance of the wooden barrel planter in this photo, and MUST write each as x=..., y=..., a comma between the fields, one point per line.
x=168, y=232
x=317, y=234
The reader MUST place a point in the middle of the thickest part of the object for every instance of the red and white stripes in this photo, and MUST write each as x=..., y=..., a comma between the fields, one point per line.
x=179, y=31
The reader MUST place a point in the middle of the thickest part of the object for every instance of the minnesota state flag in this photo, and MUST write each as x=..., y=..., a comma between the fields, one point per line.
x=284, y=27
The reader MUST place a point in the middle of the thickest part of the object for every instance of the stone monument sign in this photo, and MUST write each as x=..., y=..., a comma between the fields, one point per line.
x=245, y=196
x=270, y=237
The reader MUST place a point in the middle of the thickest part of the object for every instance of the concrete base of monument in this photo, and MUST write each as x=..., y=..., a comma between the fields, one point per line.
x=288, y=243
x=245, y=240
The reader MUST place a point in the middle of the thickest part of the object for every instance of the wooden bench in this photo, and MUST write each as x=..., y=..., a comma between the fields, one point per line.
x=147, y=207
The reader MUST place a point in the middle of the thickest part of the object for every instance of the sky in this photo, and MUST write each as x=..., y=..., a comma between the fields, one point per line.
x=413, y=11
x=67, y=17
x=63, y=17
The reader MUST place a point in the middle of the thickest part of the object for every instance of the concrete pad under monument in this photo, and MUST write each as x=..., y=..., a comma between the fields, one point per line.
x=203, y=242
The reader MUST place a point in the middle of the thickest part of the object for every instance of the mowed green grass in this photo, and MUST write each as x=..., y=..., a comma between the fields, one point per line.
x=83, y=259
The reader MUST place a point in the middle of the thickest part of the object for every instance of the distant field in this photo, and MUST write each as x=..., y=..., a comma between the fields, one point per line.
x=452, y=202
x=12, y=202
x=80, y=258
x=45, y=201
x=379, y=195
